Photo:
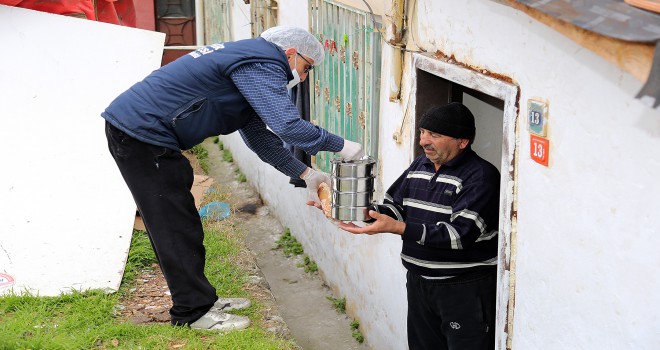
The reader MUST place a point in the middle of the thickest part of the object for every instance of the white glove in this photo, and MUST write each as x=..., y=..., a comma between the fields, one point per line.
x=351, y=151
x=313, y=180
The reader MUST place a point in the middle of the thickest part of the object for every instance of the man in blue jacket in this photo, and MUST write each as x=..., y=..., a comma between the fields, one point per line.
x=445, y=206
x=215, y=90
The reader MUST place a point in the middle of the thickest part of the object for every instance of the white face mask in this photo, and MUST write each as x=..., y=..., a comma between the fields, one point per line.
x=296, y=76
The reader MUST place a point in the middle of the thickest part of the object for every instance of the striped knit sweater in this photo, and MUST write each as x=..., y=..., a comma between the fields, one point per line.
x=451, y=215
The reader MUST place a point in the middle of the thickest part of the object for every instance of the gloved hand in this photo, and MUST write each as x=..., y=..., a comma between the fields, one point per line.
x=313, y=179
x=351, y=151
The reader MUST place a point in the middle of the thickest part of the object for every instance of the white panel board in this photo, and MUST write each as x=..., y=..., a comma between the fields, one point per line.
x=66, y=215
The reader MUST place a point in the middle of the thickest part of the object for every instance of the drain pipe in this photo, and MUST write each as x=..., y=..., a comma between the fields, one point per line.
x=395, y=27
x=199, y=23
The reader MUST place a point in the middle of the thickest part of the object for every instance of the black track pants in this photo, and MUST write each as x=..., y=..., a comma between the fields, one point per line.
x=455, y=314
x=160, y=180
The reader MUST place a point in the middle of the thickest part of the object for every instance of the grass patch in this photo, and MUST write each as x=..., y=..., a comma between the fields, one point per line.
x=216, y=193
x=355, y=331
x=241, y=177
x=202, y=156
x=309, y=265
x=89, y=319
x=339, y=304
x=226, y=156
x=217, y=141
x=140, y=255
x=289, y=244
x=340, y=307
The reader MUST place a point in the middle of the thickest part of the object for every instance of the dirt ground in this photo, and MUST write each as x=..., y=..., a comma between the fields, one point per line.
x=149, y=301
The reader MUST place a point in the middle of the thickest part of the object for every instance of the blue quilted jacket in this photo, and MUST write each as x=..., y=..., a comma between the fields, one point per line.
x=192, y=98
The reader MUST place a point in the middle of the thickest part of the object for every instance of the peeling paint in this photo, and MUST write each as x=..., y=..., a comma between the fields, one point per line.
x=452, y=59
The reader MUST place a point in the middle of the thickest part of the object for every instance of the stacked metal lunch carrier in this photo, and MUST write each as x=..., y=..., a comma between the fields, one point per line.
x=352, y=188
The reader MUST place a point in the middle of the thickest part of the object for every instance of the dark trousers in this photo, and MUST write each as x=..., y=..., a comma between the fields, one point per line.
x=160, y=180
x=455, y=314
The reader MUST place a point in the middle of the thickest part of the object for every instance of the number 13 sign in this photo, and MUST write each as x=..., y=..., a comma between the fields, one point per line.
x=539, y=148
x=537, y=115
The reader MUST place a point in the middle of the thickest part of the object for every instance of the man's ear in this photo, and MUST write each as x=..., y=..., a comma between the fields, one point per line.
x=464, y=143
x=290, y=51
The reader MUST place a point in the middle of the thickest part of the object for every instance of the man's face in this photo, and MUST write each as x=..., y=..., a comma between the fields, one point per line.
x=440, y=149
x=300, y=63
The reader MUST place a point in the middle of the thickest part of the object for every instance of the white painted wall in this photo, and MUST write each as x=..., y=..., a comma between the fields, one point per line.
x=586, y=243
x=293, y=13
x=240, y=19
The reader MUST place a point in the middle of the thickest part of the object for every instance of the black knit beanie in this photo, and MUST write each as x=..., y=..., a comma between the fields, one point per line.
x=453, y=120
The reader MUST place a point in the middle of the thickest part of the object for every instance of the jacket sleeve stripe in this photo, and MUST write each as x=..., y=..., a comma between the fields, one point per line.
x=448, y=264
x=438, y=208
x=487, y=236
x=454, y=237
x=470, y=215
x=421, y=240
x=394, y=210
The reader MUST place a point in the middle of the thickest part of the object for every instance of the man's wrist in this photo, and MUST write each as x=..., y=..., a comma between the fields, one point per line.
x=306, y=173
x=401, y=228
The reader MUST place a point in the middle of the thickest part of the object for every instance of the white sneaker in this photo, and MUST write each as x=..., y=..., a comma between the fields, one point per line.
x=228, y=304
x=217, y=320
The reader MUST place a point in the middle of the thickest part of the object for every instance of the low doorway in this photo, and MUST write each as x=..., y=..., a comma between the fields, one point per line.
x=494, y=104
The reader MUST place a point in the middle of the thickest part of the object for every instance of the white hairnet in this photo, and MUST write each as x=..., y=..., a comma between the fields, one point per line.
x=295, y=37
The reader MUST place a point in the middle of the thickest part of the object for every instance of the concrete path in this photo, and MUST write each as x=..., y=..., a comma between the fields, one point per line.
x=301, y=298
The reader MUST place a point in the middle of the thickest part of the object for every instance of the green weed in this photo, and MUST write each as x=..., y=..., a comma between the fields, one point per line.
x=355, y=331
x=289, y=244
x=355, y=325
x=358, y=336
x=309, y=265
x=239, y=175
x=140, y=256
x=339, y=304
x=226, y=156
x=202, y=156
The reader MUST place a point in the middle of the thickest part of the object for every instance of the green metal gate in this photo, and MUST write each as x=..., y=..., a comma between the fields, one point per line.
x=217, y=21
x=346, y=86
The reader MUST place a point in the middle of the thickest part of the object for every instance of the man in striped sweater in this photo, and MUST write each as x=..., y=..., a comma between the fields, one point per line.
x=445, y=206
